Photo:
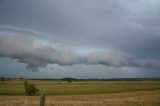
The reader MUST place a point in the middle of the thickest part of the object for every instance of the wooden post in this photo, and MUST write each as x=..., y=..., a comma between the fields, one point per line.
x=42, y=100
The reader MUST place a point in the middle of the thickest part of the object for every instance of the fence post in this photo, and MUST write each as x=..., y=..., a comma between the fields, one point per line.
x=42, y=100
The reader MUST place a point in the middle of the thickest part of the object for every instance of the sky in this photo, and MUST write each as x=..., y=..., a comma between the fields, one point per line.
x=80, y=38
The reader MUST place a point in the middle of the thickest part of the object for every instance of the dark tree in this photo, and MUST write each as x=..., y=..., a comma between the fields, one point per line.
x=2, y=79
x=21, y=78
x=30, y=89
x=69, y=81
x=25, y=83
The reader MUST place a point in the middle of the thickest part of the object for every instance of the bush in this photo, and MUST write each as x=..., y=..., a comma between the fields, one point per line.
x=30, y=89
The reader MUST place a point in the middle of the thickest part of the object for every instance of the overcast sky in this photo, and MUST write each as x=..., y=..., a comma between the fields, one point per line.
x=79, y=38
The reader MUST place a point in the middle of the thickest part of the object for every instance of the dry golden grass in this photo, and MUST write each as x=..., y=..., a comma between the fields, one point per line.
x=136, y=98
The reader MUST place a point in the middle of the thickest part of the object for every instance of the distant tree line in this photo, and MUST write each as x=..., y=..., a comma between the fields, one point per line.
x=106, y=79
x=9, y=78
x=75, y=79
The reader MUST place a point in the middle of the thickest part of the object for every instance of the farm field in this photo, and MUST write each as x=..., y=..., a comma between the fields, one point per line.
x=83, y=93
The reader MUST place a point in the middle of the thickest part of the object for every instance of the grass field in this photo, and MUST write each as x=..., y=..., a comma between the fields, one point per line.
x=97, y=93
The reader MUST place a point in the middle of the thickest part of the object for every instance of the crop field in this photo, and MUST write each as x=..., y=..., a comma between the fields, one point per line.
x=82, y=93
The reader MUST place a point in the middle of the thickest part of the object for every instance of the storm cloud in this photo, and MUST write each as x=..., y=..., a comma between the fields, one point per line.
x=100, y=38
x=22, y=45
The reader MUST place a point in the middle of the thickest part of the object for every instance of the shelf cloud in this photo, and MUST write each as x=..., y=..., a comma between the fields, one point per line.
x=24, y=46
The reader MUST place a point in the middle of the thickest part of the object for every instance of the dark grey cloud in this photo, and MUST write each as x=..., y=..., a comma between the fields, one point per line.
x=106, y=23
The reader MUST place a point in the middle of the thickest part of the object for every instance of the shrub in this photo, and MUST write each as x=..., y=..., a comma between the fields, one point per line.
x=30, y=89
